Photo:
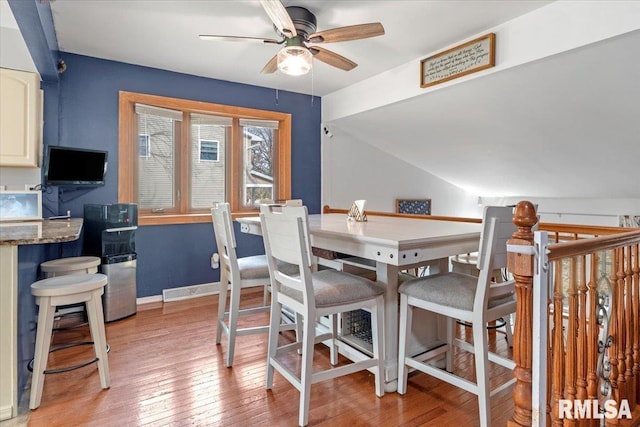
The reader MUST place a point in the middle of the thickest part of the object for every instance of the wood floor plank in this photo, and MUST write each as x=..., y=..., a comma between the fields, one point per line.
x=166, y=370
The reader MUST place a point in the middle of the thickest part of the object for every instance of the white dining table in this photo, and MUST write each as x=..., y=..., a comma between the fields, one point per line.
x=394, y=244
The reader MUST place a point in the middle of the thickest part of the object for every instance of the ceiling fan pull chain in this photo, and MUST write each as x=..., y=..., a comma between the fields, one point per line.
x=312, y=74
x=277, y=99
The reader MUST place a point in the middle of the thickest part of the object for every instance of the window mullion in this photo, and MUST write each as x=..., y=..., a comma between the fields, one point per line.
x=235, y=166
x=184, y=183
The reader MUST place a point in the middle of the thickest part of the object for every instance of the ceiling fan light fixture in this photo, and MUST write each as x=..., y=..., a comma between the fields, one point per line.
x=294, y=60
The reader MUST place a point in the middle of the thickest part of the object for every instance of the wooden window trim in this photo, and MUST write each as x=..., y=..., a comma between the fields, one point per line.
x=128, y=155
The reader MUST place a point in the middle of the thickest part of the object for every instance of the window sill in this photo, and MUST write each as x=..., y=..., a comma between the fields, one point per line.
x=167, y=219
x=151, y=219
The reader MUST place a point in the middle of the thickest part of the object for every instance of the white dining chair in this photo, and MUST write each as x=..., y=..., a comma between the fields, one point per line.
x=476, y=300
x=236, y=274
x=314, y=294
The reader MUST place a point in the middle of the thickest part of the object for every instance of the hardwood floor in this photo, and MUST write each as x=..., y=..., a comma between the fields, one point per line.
x=166, y=370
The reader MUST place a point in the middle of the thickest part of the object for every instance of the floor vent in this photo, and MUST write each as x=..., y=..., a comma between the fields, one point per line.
x=186, y=292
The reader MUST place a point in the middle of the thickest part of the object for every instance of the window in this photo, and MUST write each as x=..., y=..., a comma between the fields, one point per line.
x=144, y=145
x=191, y=154
x=208, y=151
x=257, y=179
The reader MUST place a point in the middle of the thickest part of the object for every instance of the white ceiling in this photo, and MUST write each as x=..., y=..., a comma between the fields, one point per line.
x=574, y=115
x=14, y=53
x=164, y=34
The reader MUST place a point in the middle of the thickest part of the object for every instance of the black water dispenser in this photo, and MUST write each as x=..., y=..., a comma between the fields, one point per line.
x=110, y=233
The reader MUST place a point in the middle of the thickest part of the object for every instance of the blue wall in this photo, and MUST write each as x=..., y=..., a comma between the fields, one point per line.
x=170, y=255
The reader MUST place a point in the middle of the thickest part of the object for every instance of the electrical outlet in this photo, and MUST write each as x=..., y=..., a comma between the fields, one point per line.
x=215, y=261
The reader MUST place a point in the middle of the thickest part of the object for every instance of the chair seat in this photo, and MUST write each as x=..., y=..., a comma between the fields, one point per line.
x=256, y=267
x=454, y=290
x=68, y=285
x=332, y=287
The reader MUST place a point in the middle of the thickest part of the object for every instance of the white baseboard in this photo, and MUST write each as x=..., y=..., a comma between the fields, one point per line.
x=149, y=300
x=6, y=412
x=187, y=292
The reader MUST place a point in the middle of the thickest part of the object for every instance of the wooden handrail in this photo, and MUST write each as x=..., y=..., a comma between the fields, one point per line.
x=575, y=229
x=327, y=210
x=602, y=243
x=592, y=230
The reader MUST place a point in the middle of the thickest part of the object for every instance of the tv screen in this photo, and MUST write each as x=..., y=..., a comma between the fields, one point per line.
x=74, y=167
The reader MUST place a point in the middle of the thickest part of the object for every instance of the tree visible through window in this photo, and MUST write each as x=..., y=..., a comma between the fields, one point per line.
x=258, y=180
x=144, y=147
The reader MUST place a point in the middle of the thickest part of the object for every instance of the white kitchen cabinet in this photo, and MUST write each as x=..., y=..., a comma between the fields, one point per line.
x=20, y=119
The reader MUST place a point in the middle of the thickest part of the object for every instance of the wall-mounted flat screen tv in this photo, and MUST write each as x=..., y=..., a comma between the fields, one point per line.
x=75, y=167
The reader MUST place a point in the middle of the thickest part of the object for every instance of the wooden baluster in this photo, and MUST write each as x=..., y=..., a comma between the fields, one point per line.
x=549, y=369
x=581, y=366
x=592, y=342
x=619, y=307
x=636, y=317
x=614, y=331
x=629, y=327
x=570, y=352
x=521, y=266
x=557, y=349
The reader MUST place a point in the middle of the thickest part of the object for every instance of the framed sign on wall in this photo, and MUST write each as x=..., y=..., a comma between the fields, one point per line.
x=470, y=57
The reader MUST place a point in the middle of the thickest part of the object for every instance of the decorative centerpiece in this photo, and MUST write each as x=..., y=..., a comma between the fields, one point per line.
x=356, y=212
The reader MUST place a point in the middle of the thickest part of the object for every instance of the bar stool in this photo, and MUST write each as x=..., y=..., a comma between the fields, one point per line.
x=71, y=265
x=64, y=290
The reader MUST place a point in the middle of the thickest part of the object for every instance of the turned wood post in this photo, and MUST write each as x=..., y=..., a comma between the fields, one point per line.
x=521, y=266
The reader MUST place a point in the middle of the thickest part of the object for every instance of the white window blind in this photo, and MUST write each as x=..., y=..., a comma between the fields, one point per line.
x=271, y=124
x=206, y=119
x=158, y=111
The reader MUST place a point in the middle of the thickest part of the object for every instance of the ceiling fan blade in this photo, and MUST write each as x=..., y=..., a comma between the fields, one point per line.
x=343, y=34
x=271, y=66
x=237, y=38
x=279, y=16
x=332, y=58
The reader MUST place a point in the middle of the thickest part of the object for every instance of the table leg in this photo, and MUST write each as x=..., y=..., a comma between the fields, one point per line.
x=388, y=275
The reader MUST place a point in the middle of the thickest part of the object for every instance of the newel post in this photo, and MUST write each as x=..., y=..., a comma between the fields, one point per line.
x=521, y=266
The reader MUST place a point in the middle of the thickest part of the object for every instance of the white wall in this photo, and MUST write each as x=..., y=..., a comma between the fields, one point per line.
x=576, y=211
x=352, y=170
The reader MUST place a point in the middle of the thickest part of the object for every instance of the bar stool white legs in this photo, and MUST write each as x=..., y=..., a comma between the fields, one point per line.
x=63, y=290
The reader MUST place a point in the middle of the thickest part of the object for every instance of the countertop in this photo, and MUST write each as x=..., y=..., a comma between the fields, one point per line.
x=36, y=232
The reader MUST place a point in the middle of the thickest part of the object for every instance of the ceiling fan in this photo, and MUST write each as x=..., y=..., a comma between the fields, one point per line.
x=297, y=28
